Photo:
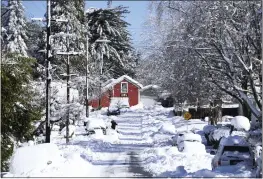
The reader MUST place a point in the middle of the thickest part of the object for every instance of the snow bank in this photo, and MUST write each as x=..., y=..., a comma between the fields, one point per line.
x=193, y=147
x=191, y=137
x=112, y=136
x=241, y=122
x=138, y=106
x=168, y=128
x=95, y=123
x=26, y=159
x=167, y=161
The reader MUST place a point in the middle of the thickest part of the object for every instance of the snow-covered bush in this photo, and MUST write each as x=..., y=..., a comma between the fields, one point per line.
x=241, y=122
x=26, y=159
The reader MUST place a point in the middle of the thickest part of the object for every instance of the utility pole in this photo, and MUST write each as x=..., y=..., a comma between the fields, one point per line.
x=87, y=80
x=48, y=66
x=101, y=68
x=48, y=77
x=68, y=90
x=68, y=77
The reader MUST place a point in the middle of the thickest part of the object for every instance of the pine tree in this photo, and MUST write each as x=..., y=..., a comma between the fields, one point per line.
x=17, y=108
x=15, y=26
x=118, y=53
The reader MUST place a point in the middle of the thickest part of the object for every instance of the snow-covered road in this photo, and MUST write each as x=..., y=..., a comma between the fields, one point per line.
x=116, y=159
x=144, y=149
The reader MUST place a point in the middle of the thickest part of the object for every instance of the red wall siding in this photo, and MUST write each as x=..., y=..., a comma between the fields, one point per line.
x=132, y=94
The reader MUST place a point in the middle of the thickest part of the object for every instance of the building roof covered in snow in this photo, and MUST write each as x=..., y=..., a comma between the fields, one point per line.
x=112, y=82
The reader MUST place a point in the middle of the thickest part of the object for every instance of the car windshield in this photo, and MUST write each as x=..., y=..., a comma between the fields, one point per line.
x=242, y=149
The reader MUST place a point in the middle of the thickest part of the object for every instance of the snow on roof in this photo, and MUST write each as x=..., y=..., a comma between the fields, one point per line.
x=118, y=80
x=230, y=105
x=241, y=122
x=234, y=140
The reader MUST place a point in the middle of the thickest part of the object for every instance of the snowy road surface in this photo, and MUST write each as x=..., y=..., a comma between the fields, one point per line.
x=144, y=149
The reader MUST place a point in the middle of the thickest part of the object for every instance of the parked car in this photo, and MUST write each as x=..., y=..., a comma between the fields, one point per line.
x=191, y=142
x=259, y=161
x=113, y=111
x=96, y=126
x=231, y=151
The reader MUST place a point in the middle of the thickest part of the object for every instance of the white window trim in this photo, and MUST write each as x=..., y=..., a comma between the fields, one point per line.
x=127, y=87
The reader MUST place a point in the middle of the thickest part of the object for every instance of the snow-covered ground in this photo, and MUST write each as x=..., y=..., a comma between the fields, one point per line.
x=144, y=148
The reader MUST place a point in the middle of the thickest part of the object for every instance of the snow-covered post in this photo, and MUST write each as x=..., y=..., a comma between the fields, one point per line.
x=101, y=67
x=87, y=72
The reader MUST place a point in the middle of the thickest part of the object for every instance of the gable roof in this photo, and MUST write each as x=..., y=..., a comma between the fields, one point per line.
x=112, y=82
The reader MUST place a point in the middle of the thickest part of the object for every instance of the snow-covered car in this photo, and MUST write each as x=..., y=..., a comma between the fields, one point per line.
x=176, y=139
x=114, y=110
x=96, y=126
x=259, y=161
x=191, y=143
x=233, y=150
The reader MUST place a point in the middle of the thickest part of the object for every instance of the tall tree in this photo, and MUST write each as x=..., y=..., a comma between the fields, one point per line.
x=118, y=55
x=18, y=110
x=15, y=26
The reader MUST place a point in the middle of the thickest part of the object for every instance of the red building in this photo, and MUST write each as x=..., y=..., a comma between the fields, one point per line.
x=124, y=89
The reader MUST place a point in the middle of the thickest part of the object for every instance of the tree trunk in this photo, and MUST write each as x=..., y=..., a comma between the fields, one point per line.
x=246, y=110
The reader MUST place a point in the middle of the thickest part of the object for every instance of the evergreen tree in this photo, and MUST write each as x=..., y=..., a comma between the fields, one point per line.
x=73, y=11
x=117, y=54
x=17, y=109
x=15, y=26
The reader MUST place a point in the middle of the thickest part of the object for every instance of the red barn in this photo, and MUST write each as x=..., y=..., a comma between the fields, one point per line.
x=123, y=89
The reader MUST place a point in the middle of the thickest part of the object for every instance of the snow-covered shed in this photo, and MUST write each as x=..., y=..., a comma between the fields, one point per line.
x=123, y=88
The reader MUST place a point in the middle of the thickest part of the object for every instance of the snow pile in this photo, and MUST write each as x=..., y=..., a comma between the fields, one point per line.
x=191, y=137
x=138, y=106
x=34, y=158
x=241, y=122
x=94, y=123
x=112, y=136
x=167, y=161
x=167, y=128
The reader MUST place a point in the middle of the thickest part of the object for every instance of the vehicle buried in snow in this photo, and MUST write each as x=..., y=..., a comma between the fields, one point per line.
x=191, y=143
x=96, y=126
x=177, y=138
x=231, y=151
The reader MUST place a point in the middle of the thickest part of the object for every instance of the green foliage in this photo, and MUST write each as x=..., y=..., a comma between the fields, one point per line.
x=17, y=110
x=118, y=54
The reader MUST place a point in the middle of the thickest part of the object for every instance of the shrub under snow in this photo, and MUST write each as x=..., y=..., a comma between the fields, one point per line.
x=241, y=122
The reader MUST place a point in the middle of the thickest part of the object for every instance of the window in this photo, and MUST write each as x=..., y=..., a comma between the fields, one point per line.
x=124, y=87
